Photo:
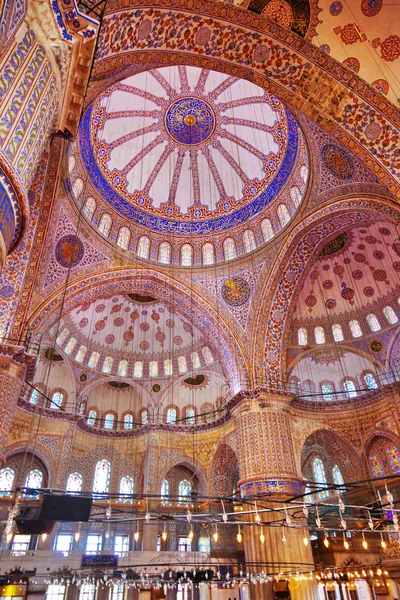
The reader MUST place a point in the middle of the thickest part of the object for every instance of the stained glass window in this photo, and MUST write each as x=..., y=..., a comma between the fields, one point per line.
x=229, y=249
x=164, y=253
x=128, y=421
x=319, y=476
x=184, y=491
x=355, y=328
x=327, y=391
x=190, y=416
x=304, y=173
x=109, y=421
x=89, y=208
x=70, y=346
x=153, y=368
x=71, y=163
x=62, y=337
x=74, y=482
x=34, y=479
x=350, y=388
x=123, y=368
x=308, y=387
x=394, y=458
x=337, y=476
x=370, y=381
x=77, y=187
x=144, y=417
x=295, y=195
x=143, y=249
x=376, y=465
x=57, y=400
x=138, y=369
x=249, y=241
x=87, y=591
x=319, y=334
x=208, y=254
x=390, y=315
x=124, y=237
x=208, y=357
x=94, y=359
x=107, y=365
x=267, y=230
x=171, y=415
x=283, y=214
x=186, y=255
x=35, y=395
x=195, y=360
x=182, y=366
x=164, y=491
x=102, y=474
x=302, y=336
x=126, y=487
x=92, y=418
x=80, y=356
x=373, y=322
x=105, y=224
x=167, y=366
x=337, y=332
x=6, y=481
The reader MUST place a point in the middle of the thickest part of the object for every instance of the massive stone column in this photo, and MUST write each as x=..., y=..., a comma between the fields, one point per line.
x=268, y=469
x=12, y=371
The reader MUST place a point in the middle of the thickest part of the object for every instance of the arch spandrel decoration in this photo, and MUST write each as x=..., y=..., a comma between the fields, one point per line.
x=320, y=87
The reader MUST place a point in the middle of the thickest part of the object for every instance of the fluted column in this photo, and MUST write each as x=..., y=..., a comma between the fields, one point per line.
x=267, y=468
x=11, y=380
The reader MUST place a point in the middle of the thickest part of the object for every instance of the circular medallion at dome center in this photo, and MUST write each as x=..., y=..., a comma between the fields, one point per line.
x=190, y=121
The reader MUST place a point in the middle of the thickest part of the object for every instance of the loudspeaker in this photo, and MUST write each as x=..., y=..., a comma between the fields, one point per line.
x=65, y=508
x=29, y=521
x=281, y=589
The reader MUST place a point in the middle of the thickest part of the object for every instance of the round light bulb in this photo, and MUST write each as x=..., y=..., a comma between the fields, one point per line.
x=365, y=544
x=383, y=544
x=326, y=542
x=44, y=537
x=239, y=537
x=262, y=538
x=379, y=572
x=215, y=536
x=77, y=536
x=164, y=535
x=370, y=523
x=136, y=536
x=346, y=544
x=191, y=535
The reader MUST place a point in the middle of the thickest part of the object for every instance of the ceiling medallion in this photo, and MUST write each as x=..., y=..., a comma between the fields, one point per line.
x=190, y=121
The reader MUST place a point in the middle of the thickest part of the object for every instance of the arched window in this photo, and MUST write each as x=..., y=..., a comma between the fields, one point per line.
x=164, y=491
x=390, y=315
x=35, y=395
x=153, y=368
x=167, y=366
x=304, y=173
x=70, y=346
x=74, y=482
x=62, y=337
x=355, y=328
x=105, y=224
x=57, y=400
x=377, y=467
x=93, y=360
x=249, y=241
x=370, y=381
x=144, y=417
x=337, y=477
x=109, y=421
x=229, y=249
x=319, y=476
x=164, y=253
x=302, y=336
x=208, y=357
x=350, y=388
x=89, y=208
x=6, y=481
x=107, y=365
x=128, y=421
x=34, y=479
x=327, y=391
x=124, y=237
x=195, y=360
x=138, y=369
x=283, y=214
x=394, y=458
x=171, y=415
x=190, y=416
x=208, y=254
x=186, y=255
x=80, y=356
x=337, y=332
x=267, y=230
x=123, y=368
x=92, y=418
x=143, y=248
x=182, y=366
x=373, y=323
x=126, y=487
x=295, y=195
x=319, y=334
x=77, y=187
x=184, y=491
x=71, y=163
x=102, y=472
x=308, y=387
